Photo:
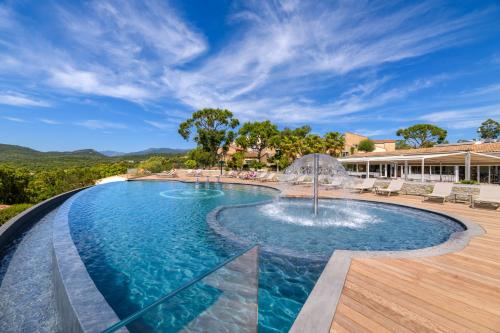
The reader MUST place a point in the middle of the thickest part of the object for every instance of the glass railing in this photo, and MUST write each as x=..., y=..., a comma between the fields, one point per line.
x=225, y=299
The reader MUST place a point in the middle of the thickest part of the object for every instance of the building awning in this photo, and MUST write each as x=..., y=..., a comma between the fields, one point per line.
x=456, y=158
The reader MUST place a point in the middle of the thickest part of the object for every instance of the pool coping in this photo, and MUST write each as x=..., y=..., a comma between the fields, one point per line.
x=81, y=305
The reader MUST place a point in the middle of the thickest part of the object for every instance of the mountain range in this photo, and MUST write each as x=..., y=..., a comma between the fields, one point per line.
x=149, y=151
x=27, y=157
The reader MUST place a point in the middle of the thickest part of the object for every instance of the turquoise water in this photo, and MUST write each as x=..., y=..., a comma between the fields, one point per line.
x=141, y=240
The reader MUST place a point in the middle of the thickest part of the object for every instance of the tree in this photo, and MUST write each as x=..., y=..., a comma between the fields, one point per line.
x=156, y=164
x=190, y=164
x=422, y=135
x=311, y=144
x=237, y=160
x=334, y=143
x=201, y=157
x=489, y=129
x=213, y=131
x=257, y=135
x=366, y=145
x=401, y=144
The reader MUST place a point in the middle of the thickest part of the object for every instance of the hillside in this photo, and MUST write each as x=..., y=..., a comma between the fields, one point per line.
x=34, y=159
x=150, y=151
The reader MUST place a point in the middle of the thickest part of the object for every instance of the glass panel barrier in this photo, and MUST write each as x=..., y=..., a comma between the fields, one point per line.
x=225, y=299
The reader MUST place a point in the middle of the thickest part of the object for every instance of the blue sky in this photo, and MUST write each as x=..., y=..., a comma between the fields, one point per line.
x=116, y=75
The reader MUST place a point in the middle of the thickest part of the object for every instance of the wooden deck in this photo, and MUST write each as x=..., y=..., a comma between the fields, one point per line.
x=457, y=292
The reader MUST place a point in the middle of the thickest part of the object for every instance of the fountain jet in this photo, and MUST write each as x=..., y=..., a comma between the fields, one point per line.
x=321, y=168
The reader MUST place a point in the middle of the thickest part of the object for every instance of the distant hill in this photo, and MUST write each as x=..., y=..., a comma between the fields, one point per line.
x=150, y=151
x=34, y=159
x=111, y=153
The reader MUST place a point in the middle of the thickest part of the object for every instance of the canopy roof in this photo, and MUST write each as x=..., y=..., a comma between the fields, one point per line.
x=455, y=158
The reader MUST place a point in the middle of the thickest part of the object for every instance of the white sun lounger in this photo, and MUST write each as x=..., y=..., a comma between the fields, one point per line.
x=440, y=191
x=488, y=194
x=366, y=185
x=335, y=183
x=395, y=186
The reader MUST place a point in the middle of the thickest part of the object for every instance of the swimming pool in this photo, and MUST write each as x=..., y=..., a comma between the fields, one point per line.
x=141, y=240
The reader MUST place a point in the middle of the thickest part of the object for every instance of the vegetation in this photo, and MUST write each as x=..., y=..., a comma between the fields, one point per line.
x=9, y=212
x=257, y=135
x=422, y=135
x=334, y=143
x=366, y=145
x=213, y=131
x=190, y=164
x=401, y=144
x=489, y=129
x=156, y=164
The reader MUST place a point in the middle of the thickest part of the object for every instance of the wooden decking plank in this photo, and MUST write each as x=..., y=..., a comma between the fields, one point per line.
x=439, y=302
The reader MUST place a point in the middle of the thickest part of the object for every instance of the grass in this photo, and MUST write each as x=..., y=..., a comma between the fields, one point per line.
x=8, y=213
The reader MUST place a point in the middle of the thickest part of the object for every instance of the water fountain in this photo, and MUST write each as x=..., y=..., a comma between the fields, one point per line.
x=321, y=168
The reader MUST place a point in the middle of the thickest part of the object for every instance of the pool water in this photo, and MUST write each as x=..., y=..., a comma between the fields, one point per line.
x=141, y=240
x=340, y=224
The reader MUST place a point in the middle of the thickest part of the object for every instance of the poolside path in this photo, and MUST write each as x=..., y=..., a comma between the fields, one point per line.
x=458, y=292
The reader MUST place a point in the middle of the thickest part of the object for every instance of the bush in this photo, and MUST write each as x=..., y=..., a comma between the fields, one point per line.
x=366, y=145
x=256, y=165
x=469, y=182
x=8, y=213
x=190, y=164
x=156, y=164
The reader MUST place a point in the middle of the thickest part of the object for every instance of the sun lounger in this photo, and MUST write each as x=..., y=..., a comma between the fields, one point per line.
x=366, y=185
x=395, y=186
x=299, y=180
x=488, y=194
x=440, y=191
x=333, y=184
x=270, y=177
x=261, y=176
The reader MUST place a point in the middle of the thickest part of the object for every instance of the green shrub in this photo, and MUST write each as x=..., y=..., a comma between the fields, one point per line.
x=8, y=213
x=469, y=182
x=190, y=164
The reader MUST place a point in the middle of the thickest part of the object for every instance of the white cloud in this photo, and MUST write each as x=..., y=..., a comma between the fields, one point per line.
x=463, y=117
x=49, y=121
x=14, y=119
x=159, y=125
x=21, y=100
x=299, y=44
x=100, y=124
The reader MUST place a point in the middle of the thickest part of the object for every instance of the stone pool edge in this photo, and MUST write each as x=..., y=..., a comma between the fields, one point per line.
x=318, y=311
x=80, y=304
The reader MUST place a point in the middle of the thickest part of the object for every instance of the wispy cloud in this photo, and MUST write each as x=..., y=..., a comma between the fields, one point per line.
x=159, y=125
x=49, y=121
x=21, y=100
x=297, y=44
x=106, y=48
x=463, y=117
x=100, y=124
x=14, y=119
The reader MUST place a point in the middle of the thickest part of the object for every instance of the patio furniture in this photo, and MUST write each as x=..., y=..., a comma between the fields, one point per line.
x=270, y=177
x=487, y=194
x=395, y=186
x=440, y=191
x=366, y=185
x=334, y=184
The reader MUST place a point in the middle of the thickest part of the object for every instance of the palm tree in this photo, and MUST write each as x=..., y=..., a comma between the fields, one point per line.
x=334, y=142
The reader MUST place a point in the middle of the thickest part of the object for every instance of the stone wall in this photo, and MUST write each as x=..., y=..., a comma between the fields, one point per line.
x=462, y=192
